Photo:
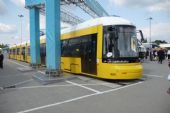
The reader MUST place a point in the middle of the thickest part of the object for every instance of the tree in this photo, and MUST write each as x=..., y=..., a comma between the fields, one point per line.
x=3, y=45
x=145, y=40
x=158, y=42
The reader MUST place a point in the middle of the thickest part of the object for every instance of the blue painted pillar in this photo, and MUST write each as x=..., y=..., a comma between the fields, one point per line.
x=34, y=36
x=53, y=49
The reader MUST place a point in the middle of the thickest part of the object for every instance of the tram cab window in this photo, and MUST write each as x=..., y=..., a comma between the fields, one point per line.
x=121, y=41
x=127, y=42
x=110, y=43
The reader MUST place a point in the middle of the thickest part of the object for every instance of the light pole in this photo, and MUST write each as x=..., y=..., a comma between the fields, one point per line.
x=21, y=16
x=150, y=34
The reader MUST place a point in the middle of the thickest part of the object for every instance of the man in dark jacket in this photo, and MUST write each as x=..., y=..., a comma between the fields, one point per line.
x=161, y=55
x=1, y=59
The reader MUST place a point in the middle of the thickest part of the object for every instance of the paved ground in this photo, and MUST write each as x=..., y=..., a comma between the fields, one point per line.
x=83, y=94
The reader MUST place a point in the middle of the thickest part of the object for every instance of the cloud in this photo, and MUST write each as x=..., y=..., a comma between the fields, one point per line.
x=151, y=5
x=20, y=3
x=161, y=6
x=42, y=22
x=3, y=7
x=5, y=28
x=159, y=31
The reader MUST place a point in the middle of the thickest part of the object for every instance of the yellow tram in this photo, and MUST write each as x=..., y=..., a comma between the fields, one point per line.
x=104, y=48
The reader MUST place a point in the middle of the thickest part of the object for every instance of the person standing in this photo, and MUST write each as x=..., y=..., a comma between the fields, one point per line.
x=147, y=54
x=168, y=54
x=1, y=59
x=161, y=55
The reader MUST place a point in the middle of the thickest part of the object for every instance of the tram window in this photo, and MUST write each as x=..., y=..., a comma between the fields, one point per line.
x=23, y=51
x=71, y=48
x=127, y=42
x=29, y=50
x=18, y=51
x=43, y=50
x=64, y=48
x=74, y=47
x=13, y=51
x=110, y=45
x=9, y=51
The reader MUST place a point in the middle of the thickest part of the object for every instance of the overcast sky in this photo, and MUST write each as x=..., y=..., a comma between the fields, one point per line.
x=137, y=11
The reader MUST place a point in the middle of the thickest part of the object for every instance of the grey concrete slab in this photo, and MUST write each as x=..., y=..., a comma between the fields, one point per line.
x=148, y=97
x=10, y=77
x=154, y=68
x=15, y=100
x=25, y=69
x=46, y=79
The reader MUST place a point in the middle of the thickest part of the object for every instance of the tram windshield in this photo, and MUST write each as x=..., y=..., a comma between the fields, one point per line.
x=120, y=42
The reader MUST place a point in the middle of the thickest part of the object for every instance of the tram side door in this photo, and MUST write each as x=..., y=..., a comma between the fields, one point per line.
x=43, y=53
x=89, y=55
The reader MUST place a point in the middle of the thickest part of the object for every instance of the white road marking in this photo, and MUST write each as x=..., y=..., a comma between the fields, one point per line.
x=19, y=83
x=41, y=72
x=18, y=63
x=154, y=75
x=67, y=85
x=112, y=90
x=111, y=85
x=75, y=99
x=73, y=83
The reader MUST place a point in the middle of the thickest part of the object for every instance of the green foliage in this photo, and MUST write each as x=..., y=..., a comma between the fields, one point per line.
x=145, y=40
x=160, y=42
x=3, y=45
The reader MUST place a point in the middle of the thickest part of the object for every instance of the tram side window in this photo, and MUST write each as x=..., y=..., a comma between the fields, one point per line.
x=74, y=45
x=64, y=48
x=18, y=51
x=13, y=51
x=43, y=50
x=10, y=51
x=71, y=48
x=23, y=51
x=29, y=51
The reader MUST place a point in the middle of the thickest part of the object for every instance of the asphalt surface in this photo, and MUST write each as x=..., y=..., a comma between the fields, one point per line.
x=20, y=93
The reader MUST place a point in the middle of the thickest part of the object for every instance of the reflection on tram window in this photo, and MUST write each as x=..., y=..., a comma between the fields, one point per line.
x=121, y=41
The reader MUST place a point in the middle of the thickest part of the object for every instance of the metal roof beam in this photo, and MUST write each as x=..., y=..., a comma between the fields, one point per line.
x=32, y=3
x=92, y=7
x=66, y=17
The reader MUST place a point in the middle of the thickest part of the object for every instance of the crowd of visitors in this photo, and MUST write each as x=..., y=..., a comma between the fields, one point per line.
x=158, y=54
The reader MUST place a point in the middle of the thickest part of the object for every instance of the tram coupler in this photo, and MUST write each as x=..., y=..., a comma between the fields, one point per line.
x=54, y=73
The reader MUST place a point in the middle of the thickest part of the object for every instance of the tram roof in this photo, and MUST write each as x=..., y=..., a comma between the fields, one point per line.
x=111, y=20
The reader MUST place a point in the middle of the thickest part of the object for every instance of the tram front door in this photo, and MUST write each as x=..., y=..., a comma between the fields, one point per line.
x=88, y=57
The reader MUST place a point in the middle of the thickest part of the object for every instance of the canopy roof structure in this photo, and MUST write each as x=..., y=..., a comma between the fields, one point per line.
x=91, y=7
x=55, y=11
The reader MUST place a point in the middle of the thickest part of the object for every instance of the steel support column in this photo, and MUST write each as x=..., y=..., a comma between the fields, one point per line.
x=53, y=49
x=34, y=36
